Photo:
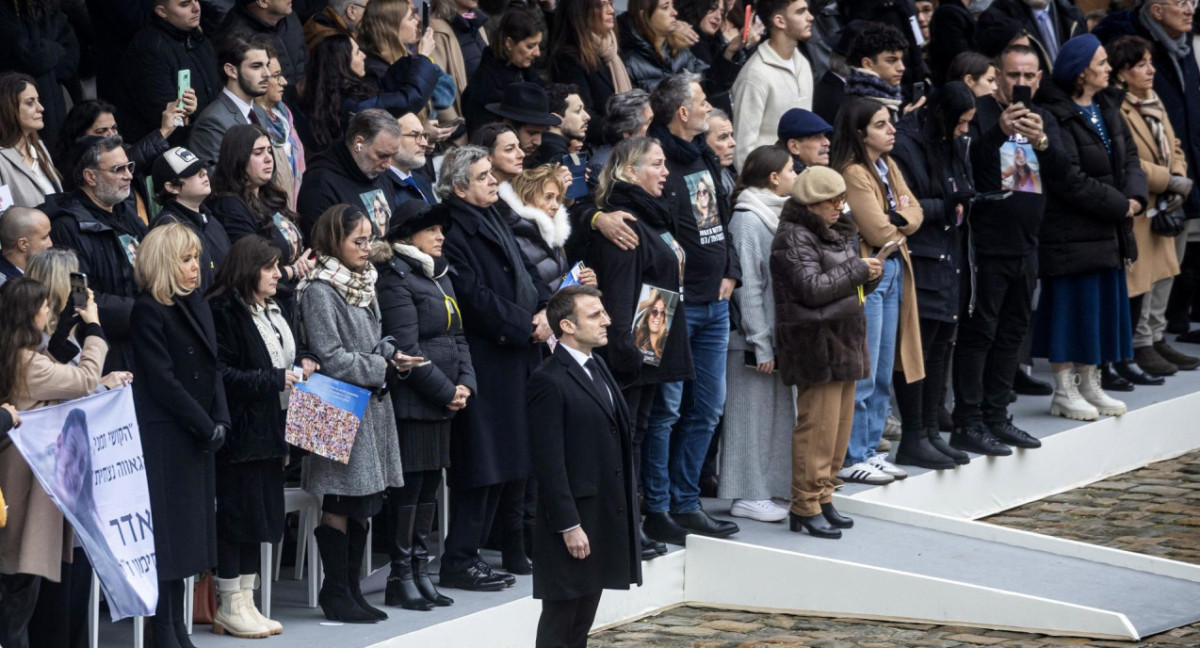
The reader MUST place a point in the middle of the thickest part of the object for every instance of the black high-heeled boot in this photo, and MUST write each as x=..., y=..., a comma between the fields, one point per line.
x=335, y=598
x=836, y=519
x=401, y=585
x=816, y=525
x=422, y=527
x=356, y=547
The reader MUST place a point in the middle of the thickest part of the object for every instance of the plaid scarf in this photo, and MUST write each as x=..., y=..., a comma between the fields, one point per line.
x=357, y=288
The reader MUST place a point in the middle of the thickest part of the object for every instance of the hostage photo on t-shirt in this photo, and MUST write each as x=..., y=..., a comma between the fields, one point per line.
x=702, y=192
x=1019, y=168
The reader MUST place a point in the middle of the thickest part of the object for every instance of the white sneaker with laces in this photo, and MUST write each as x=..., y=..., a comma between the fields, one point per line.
x=880, y=461
x=761, y=510
x=864, y=473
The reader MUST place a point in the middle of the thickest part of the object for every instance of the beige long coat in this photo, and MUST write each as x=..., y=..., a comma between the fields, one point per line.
x=864, y=195
x=36, y=540
x=1156, y=254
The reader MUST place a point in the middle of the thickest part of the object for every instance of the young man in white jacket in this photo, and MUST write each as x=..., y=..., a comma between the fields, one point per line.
x=775, y=78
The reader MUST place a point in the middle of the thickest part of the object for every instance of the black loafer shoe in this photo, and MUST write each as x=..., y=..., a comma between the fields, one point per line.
x=660, y=527
x=1026, y=385
x=507, y=579
x=1013, y=435
x=650, y=548
x=816, y=525
x=1110, y=380
x=702, y=523
x=836, y=519
x=1135, y=375
x=976, y=438
x=471, y=579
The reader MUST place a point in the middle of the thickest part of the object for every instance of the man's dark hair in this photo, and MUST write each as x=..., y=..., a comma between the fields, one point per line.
x=1023, y=50
x=87, y=154
x=562, y=305
x=233, y=49
x=766, y=9
x=873, y=40
x=670, y=94
x=558, y=96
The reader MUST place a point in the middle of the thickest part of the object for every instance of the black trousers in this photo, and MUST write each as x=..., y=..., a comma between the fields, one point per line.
x=565, y=624
x=639, y=400
x=921, y=401
x=989, y=339
x=237, y=558
x=18, y=597
x=60, y=618
x=472, y=511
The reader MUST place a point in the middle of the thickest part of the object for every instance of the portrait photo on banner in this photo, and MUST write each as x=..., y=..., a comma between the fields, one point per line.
x=652, y=322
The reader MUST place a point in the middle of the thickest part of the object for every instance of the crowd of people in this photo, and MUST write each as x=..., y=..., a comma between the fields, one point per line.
x=765, y=243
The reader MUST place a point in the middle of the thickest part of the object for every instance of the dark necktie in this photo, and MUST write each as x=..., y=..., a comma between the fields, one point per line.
x=598, y=381
x=253, y=117
x=412, y=182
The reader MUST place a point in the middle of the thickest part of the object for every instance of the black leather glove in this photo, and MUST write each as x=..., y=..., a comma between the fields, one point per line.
x=217, y=439
x=895, y=218
x=61, y=348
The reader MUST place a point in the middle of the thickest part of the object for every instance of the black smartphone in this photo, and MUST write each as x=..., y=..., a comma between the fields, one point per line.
x=1023, y=95
x=918, y=91
x=424, y=17
x=79, y=290
x=749, y=360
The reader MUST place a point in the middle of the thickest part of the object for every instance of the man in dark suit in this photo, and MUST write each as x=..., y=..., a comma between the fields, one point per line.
x=407, y=174
x=586, y=534
x=1049, y=23
x=244, y=67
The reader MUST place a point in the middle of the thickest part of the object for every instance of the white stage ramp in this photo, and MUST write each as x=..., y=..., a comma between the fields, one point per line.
x=915, y=554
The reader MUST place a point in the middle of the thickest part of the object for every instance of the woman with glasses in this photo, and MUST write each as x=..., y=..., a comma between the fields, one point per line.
x=247, y=201
x=25, y=164
x=632, y=181
x=286, y=146
x=339, y=322
x=885, y=211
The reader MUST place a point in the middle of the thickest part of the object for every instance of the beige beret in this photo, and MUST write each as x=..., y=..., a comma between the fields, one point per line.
x=817, y=184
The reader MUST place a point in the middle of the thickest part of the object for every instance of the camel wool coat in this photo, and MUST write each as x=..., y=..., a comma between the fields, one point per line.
x=36, y=539
x=864, y=195
x=1156, y=254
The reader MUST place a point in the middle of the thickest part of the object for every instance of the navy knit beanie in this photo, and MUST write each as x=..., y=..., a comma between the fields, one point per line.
x=1074, y=57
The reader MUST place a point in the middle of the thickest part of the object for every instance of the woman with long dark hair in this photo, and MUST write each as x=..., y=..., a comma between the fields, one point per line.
x=508, y=59
x=335, y=87
x=976, y=70
x=653, y=43
x=257, y=348
x=885, y=211
x=725, y=55
x=1083, y=317
x=35, y=542
x=632, y=181
x=247, y=201
x=932, y=154
x=584, y=53
x=420, y=311
x=25, y=163
x=390, y=33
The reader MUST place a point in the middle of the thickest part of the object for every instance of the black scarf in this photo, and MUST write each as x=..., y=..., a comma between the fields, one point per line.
x=633, y=199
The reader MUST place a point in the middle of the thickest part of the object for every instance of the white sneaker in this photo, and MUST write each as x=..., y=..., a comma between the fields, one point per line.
x=891, y=428
x=761, y=510
x=864, y=473
x=880, y=461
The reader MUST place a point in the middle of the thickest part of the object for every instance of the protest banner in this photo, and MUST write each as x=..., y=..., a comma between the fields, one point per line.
x=87, y=455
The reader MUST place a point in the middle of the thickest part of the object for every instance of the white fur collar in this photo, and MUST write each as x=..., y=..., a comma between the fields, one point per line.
x=412, y=253
x=554, y=230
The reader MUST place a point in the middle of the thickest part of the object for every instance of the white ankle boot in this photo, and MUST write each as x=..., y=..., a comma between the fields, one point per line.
x=1092, y=391
x=249, y=584
x=233, y=616
x=1068, y=402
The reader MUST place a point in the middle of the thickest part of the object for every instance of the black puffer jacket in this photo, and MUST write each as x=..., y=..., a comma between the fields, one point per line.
x=150, y=71
x=333, y=177
x=621, y=275
x=76, y=223
x=646, y=67
x=820, y=327
x=540, y=237
x=288, y=35
x=421, y=313
x=1085, y=228
x=940, y=181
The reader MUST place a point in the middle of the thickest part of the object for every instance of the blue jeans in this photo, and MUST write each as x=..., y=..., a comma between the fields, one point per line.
x=872, y=395
x=696, y=406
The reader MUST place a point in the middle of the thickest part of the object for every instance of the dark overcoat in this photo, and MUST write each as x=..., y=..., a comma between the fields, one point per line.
x=179, y=397
x=583, y=461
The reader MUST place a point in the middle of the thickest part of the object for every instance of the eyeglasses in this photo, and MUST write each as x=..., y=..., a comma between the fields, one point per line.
x=839, y=202
x=121, y=168
x=277, y=78
x=361, y=6
x=1185, y=5
x=363, y=243
x=417, y=135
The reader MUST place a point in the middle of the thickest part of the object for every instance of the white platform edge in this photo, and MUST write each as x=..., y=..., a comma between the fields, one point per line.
x=1066, y=460
x=514, y=625
x=1020, y=538
x=767, y=578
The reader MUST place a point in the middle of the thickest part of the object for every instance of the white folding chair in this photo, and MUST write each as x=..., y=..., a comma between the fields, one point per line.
x=309, y=508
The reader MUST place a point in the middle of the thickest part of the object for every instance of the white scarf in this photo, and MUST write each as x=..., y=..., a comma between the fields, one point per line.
x=762, y=203
x=411, y=251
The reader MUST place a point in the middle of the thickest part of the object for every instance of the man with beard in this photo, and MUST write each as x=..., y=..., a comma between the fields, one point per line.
x=526, y=107
x=567, y=105
x=101, y=225
x=806, y=136
x=407, y=174
x=352, y=171
x=244, y=64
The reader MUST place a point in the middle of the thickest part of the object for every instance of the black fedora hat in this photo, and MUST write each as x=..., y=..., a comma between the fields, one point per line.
x=525, y=103
x=412, y=216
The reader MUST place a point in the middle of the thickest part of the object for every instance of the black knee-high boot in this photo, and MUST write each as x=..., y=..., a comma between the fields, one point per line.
x=162, y=625
x=422, y=527
x=401, y=587
x=335, y=598
x=356, y=536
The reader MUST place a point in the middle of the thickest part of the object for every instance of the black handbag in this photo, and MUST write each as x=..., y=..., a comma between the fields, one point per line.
x=1168, y=224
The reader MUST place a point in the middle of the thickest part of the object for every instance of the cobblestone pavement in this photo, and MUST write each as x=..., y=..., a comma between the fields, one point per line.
x=1154, y=510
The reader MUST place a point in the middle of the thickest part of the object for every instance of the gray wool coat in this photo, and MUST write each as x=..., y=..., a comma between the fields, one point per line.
x=344, y=338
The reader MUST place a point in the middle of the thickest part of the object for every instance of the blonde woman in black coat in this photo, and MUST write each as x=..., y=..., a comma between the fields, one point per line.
x=420, y=312
x=182, y=414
